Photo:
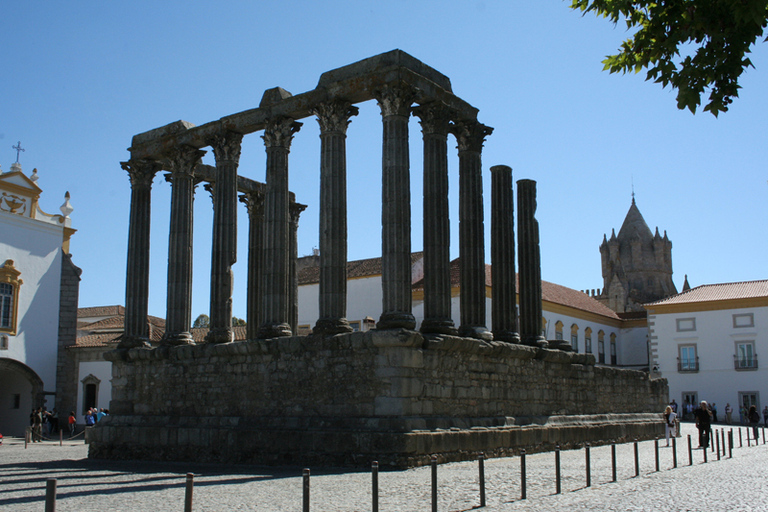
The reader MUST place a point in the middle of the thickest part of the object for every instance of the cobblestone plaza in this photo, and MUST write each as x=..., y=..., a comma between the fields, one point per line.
x=736, y=483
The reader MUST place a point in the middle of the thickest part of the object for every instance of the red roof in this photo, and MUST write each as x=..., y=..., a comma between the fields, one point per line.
x=715, y=292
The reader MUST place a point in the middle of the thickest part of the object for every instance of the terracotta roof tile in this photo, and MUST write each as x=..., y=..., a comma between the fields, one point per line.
x=715, y=292
x=357, y=268
x=100, y=311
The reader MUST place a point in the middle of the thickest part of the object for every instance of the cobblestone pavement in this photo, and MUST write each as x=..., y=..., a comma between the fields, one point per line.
x=728, y=484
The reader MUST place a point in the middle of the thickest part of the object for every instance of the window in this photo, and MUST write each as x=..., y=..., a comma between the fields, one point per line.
x=747, y=399
x=687, y=361
x=588, y=340
x=355, y=325
x=559, y=330
x=744, y=320
x=90, y=392
x=303, y=330
x=575, y=338
x=686, y=324
x=9, y=296
x=613, y=348
x=745, y=357
x=4, y=341
x=601, y=347
x=16, y=402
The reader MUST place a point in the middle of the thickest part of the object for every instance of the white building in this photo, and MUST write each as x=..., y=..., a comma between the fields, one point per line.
x=705, y=342
x=38, y=298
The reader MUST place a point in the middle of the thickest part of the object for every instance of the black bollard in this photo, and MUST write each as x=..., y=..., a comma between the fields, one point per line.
x=674, y=452
x=588, y=464
x=188, y=492
x=741, y=443
x=557, y=469
x=522, y=475
x=305, y=474
x=722, y=434
x=613, y=462
x=656, y=449
x=481, y=463
x=434, y=483
x=690, y=451
x=730, y=444
x=763, y=435
x=718, y=446
x=747, y=437
x=50, y=495
x=375, y=486
x=705, y=455
x=637, y=460
x=711, y=444
x=61, y=438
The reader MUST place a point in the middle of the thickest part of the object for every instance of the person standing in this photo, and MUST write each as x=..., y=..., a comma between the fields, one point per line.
x=714, y=412
x=670, y=425
x=72, y=421
x=728, y=413
x=765, y=416
x=37, y=426
x=754, y=420
x=703, y=417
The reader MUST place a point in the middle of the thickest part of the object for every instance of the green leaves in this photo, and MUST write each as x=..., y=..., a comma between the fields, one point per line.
x=692, y=45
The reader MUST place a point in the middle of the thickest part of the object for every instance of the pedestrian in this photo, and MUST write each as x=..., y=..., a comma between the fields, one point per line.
x=54, y=420
x=72, y=421
x=704, y=423
x=742, y=415
x=728, y=413
x=754, y=420
x=90, y=417
x=765, y=416
x=37, y=425
x=669, y=421
x=713, y=408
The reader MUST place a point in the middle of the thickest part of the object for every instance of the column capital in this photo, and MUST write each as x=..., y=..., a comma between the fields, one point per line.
x=434, y=117
x=395, y=100
x=295, y=210
x=254, y=203
x=226, y=146
x=182, y=160
x=334, y=116
x=141, y=172
x=279, y=132
x=470, y=135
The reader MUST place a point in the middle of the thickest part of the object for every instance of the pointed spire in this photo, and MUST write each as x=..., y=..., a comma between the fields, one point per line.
x=613, y=235
x=686, y=286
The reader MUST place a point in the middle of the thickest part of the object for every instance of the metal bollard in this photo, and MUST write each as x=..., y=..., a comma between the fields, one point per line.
x=730, y=444
x=588, y=464
x=711, y=444
x=704, y=450
x=747, y=437
x=375, y=486
x=690, y=451
x=613, y=462
x=722, y=434
x=741, y=444
x=637, y=460
x=674, y=452
x=763, y=435
x=434, y=483
x=717, y=437
x=656, y=449
x=481, y=469
x=188, y=493
x=50, y=495
x=305, y=492
x=557, y=469
x=61, y=438
x=522, y=475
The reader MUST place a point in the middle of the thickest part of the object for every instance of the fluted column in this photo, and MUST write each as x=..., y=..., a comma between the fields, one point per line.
x=181, y=162
x=226, y=149
x=278, y=135
x=530, y=265
x=136, y=333
x=503, y=310
x=435, y=119
x=470, y=136
x=293, y=278
x=334, y=117
x=254, y=203
x=395, y=103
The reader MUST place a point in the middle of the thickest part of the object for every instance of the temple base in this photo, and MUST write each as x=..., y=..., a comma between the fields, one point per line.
x=331, y=326
x=396, y=320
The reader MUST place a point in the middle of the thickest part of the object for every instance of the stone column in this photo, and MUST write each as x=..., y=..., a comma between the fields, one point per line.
x=293, y=278
x=226, y=148
x=181, y=162
x=254, y=203
x=530, y=265
x=503, y=305
x=395, y=104
x=470, y=136
x=435, y=119
x=136, y=333
x=334, y=117
x=278, y=135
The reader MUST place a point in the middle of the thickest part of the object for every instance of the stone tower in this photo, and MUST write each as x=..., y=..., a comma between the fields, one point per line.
x=637, y=265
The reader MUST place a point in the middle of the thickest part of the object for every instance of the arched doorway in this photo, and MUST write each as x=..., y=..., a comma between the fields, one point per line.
x=21, y=390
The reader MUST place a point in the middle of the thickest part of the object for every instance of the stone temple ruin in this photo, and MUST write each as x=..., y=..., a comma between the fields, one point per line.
x=391, y=394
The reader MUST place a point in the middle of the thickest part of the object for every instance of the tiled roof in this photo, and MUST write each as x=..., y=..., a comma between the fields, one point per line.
x=108, y=339
x=100, y=311
x=199, y=333
x=716, y=292
x=358, y=268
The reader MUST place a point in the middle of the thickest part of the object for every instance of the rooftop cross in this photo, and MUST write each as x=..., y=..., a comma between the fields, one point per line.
x=18, y=149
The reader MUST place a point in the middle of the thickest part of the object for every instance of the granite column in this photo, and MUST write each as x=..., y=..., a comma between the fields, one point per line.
x=503, y=286
x=530, y=265
x=254, y=203
x=293, y=278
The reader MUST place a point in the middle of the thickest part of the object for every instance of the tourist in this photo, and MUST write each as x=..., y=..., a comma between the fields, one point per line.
x=54, y=421
x=704, y=423
x=728, y=413
x=37, y=425
x=754, y=420
x=673, y=405
x=90, y=418
x=669, y=420
x=72, y=421
x=742, y=415
x=765, y=416
x=100, y=415
x=713, y=408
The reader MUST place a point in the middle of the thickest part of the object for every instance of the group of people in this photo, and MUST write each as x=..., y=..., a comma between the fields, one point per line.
x=43, y=422
x=704, y=415
x=93, y=416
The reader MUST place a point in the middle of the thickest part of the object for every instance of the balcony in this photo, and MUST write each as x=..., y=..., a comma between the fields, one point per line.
x=745, y=363
x=688, y=365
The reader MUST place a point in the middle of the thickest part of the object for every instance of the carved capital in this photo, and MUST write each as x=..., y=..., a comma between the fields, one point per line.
x=141, y=172
x=434, y=118
x=470, y=135
x=295, y=211
x=334, y=116
x=279, y=132
x=395, y=100
x=182, y=160
x=254, y=203
x=226, y=146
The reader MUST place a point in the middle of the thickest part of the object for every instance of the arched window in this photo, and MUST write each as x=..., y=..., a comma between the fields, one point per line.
x=559, y=330
x=613, y=348
x=588, y=340
x=90, y=392
x=544, y=327
x=575, y=338
x=600, y=346
x=9, y=297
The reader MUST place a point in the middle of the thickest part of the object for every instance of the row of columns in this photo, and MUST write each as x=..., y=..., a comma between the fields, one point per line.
x=272, y=299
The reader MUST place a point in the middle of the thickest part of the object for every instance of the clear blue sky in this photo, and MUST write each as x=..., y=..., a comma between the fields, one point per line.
x=81, y=78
